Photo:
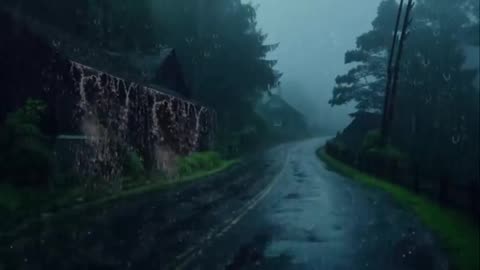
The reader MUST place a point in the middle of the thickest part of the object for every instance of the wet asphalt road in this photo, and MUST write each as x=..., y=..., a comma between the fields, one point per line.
x=282, y=209
x=312, y=218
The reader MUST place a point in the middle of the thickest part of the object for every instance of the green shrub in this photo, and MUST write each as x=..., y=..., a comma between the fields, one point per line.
x=134, y=167
x=339, y=149
x=10, y=198
x=382, y=160
x=388, y=152
x=197, y=162
x=26, y=157
x=340, y=145
x=372, y=147
x=372, y=140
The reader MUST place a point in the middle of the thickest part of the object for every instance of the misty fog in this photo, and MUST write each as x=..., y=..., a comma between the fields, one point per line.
x=314, y=36
x=240, y=134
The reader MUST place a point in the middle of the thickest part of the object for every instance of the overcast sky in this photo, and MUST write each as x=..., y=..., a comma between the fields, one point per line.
x=313, y=37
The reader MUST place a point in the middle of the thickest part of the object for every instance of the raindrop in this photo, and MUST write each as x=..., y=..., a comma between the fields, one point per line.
x=447, y=77
x=456, y=139
x=428, y=100
x=55, y=43
x=425, y=62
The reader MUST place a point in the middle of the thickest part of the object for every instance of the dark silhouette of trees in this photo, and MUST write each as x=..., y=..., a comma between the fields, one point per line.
x=387, y=102
x=222, y=53
x=437, y=103
x=392, y=80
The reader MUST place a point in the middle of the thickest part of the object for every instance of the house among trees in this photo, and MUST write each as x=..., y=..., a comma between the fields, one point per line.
x=160, y=69
x=99, y=105
x=282, y=117
x=157, y=68
x=169, y=73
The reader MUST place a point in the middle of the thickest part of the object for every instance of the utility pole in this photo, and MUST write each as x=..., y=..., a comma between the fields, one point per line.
x=393, y=69
x=386, y=103
x=406, y=24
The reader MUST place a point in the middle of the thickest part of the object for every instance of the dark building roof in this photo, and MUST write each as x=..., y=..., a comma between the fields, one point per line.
x=159, y=70
x=276, y=104
x=277, y=109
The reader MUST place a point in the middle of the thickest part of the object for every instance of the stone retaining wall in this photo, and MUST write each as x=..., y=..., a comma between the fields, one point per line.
x=114, y=115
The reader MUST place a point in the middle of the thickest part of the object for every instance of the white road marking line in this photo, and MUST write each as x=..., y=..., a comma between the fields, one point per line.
x=191, y=252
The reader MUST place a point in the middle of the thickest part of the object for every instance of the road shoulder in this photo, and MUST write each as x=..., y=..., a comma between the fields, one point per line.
x=458, y=233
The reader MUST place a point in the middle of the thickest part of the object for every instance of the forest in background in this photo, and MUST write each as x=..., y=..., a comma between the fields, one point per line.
x=436, y=118
x=222, y=52
x=223, y=57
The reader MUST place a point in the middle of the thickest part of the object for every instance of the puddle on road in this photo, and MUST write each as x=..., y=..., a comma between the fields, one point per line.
x=254, y=255
x=300, y=181
x=292, y=196
x=337, y=227
x=300, y=174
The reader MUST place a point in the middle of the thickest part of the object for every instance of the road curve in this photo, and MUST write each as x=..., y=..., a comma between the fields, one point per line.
x=282, y=209
x=312, y=218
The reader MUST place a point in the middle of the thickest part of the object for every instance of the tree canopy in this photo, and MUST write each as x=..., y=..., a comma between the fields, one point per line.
x=222, y=52
x=437, y=106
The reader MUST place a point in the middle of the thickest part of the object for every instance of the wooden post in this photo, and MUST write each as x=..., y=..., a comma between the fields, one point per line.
x=406, y=23
x=386, y=103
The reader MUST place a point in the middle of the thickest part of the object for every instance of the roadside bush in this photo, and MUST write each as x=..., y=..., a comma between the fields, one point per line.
x=253, y=136
x=372, y=147
x=388, y=152
x=384, y=161
x=197, y=162
x=371, y=140
x=134, y=167
x=338, y=149
x=26, y=157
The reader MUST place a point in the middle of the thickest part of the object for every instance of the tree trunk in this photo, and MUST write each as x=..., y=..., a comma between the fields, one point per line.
x=392, y=79
x=406, y=24
x=386, y=104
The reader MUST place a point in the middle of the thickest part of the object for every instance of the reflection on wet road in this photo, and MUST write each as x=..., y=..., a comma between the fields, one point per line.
x=315, y=219
x=279, y=210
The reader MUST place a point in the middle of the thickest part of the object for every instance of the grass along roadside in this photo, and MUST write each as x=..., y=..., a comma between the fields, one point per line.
x=22, y=207
x=458, y=233
x=162, y=185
